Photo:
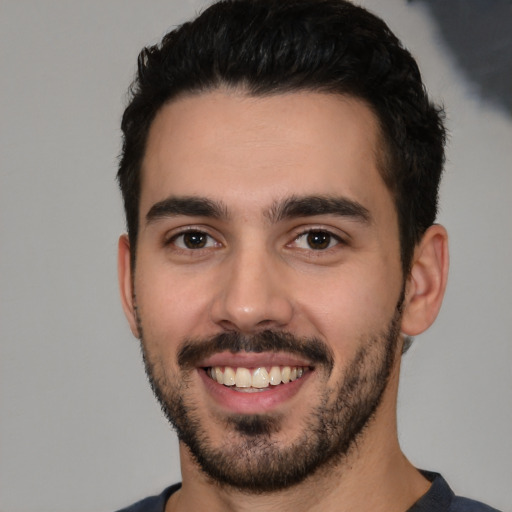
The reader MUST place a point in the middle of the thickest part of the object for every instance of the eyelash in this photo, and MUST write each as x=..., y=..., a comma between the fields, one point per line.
x=333, y=240
x=319, y=231
x=172, y=240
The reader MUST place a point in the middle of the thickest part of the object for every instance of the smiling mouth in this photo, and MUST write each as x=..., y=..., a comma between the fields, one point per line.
x=255, y=379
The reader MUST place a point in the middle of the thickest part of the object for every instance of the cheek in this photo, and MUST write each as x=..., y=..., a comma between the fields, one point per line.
x=172, y=305
x=350, y=306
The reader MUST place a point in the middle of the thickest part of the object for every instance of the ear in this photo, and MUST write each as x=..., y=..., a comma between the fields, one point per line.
x=426, y=283
x=125, y=277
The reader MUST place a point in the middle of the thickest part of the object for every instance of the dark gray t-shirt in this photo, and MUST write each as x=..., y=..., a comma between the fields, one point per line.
x=439, y=498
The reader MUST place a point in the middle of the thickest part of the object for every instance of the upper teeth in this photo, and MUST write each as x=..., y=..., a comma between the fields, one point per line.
x=256, y=377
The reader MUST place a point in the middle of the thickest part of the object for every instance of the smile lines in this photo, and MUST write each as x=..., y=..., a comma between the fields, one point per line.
x=258, y=378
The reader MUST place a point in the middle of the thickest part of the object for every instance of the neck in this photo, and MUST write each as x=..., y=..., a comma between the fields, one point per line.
x=375, y=475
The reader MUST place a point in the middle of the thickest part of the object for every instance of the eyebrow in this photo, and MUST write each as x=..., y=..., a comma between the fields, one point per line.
x=289, y=208
x=309, y=206
x=186, y=206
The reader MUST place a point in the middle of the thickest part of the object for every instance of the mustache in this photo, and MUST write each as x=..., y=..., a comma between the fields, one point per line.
x=192, y=351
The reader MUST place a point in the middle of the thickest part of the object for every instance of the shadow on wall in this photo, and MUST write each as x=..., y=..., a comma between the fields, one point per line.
x=479, y=34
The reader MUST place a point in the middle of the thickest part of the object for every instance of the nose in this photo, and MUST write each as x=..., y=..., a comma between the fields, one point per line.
x=253, y=294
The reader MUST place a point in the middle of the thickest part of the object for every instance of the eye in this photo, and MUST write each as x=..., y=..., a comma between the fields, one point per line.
x=316, y=240
x=194, y=240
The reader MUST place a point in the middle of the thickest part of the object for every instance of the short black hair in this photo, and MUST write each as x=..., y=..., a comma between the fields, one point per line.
x=266, y=47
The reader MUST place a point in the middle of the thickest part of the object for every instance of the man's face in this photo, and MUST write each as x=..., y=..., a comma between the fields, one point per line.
x=268, y=259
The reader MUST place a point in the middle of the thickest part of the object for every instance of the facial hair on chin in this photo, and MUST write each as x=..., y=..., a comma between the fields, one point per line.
x=250, y=459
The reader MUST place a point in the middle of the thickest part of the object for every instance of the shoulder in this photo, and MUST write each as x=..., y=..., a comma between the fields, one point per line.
x=440, y=498
x=153, y=503
x=466, y=505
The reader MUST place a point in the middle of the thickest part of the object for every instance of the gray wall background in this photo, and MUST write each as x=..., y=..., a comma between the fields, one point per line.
x=79, y=428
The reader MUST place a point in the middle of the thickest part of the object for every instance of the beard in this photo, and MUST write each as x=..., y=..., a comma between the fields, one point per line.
x=250, y=456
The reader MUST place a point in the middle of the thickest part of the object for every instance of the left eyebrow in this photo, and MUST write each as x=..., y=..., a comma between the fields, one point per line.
x=309, y=206
x=186, y=206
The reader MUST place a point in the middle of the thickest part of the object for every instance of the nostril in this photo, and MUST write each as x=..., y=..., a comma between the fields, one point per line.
x=266, y=323
x=250, y=301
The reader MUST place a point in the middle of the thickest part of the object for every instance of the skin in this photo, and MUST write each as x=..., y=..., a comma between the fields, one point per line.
x=258, y=272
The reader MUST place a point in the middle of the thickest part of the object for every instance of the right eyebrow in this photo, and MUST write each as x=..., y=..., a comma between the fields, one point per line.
x=310, y=206
x=187, y=206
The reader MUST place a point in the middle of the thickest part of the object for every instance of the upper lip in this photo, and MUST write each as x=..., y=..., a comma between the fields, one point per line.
x=253, y=360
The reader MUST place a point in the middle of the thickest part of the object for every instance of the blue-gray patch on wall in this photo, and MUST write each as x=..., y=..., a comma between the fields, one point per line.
x=479, y=34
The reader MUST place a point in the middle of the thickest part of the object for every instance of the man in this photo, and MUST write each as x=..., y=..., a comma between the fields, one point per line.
x=280, y=170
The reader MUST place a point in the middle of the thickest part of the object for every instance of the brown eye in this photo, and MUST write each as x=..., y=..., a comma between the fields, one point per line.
x=316, y=240
x=194, y=240
x=319, y=240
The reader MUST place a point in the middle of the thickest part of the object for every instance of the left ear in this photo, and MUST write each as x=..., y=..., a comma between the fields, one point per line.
x=125, y=278
x=426, y=283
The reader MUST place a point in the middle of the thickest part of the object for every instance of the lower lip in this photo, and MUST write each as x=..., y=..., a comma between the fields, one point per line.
x=257, y=402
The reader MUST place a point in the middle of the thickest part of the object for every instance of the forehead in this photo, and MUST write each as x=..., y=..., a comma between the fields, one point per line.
x=242, y=149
